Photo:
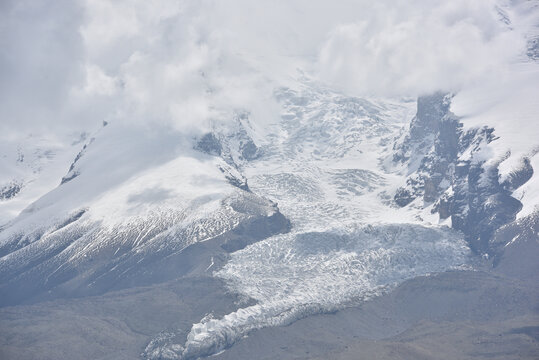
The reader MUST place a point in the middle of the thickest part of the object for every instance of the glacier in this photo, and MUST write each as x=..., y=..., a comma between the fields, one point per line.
x=346, y=244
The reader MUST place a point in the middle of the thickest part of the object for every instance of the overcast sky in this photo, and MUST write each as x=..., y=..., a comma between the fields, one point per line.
x=67, y=65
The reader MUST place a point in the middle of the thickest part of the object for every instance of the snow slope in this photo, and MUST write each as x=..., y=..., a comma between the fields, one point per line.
x=31, y=167
x=133, y=201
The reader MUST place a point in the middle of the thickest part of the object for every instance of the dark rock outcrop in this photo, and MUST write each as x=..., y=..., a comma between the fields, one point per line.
x=234, y=177
x=10, y=190
x=447, y=173
x=533, y=48
x=234, y=147
x=209, y=144
x=73, y=172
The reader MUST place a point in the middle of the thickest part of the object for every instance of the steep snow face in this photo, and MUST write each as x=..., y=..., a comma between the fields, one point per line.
x=31, y=167
x=130, y=205
x=125, y=172
x=322, y=163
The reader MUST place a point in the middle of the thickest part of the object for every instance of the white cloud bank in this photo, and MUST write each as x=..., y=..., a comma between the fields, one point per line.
x=418, y=47
x=67, y=64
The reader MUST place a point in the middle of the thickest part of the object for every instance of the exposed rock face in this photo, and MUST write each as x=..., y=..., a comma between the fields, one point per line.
x=209, y=144
x=73, y=172
x=10, y=190
x=234, y=146
x=430, y=149
x=479, y=205
x=447, y=172
x=234, y=177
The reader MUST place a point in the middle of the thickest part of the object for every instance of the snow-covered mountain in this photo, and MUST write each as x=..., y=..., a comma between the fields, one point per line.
x=368, y=199
x=359, y=196
x=233, y=188
x=129, y=207
x=356, y=193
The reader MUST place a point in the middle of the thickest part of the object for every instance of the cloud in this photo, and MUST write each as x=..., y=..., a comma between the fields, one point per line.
x=400, y=48
x=40, y=60
x=69, y=65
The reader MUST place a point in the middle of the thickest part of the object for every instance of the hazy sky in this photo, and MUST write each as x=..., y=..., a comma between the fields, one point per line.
x=66, y=64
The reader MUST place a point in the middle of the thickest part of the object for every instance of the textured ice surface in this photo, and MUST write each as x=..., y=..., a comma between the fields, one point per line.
x=326, y=175
x=299, y=274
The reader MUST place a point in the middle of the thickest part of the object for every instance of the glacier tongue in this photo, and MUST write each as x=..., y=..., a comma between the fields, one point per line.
x=328, y=179
x=299, y=274
x=296, y=275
